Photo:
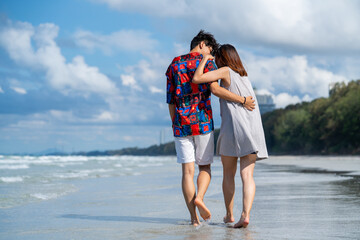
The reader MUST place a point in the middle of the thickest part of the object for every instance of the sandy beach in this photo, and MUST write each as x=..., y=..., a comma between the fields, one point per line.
x=298, y=197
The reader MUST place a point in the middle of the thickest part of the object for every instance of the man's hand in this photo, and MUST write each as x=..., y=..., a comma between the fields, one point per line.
x=249, y=103
x=172, y=111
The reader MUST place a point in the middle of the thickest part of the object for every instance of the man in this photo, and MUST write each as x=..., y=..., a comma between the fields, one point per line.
x=192, y=122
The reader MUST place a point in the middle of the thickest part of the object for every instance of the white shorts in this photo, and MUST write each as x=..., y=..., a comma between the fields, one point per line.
x=198, y=149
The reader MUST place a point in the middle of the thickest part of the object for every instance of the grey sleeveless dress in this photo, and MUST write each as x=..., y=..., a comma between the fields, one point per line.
x=241, y=131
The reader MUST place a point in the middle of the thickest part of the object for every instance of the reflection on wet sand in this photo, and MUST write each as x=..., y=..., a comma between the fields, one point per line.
x=297, y=198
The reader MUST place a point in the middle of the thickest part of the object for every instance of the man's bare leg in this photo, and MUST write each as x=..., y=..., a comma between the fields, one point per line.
x=228, y=185
x=188, y=188
x=247, y=165
x=203, y=182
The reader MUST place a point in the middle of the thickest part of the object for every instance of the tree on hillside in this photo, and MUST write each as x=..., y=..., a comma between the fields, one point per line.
x=324, y=126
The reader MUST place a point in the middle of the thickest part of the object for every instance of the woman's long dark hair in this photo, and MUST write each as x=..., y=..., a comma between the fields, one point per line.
x=228, y=56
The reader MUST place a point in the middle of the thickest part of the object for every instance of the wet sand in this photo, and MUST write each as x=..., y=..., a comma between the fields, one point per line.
x=297, y=198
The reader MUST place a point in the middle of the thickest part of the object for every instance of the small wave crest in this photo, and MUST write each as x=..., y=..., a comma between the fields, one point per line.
x=14, y=167
x=81, y=173
x=52, y=195
x=43, y=196
x=11, y=179
x=150, y=164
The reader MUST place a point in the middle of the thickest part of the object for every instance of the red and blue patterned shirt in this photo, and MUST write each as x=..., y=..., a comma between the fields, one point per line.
x=193, y=114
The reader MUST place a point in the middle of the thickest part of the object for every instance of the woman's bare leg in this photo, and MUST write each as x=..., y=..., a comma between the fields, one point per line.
x=247, y=165
x=228, y=185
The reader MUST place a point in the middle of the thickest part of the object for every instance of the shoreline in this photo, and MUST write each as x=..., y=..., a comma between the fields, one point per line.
x=150, y=205
x=343, y=165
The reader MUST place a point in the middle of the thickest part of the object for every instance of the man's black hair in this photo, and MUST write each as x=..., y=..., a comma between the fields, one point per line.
x=208, y=39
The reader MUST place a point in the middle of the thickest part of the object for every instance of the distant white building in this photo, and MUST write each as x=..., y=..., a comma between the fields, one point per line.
x=266, y=102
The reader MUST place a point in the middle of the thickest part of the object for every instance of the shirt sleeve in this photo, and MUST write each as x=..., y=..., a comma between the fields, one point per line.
x=210, y=66
x=170, y=87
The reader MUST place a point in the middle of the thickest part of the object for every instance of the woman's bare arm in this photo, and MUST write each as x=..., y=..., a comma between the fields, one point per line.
x=229, y=96
x=223, y=74
x=201, y=77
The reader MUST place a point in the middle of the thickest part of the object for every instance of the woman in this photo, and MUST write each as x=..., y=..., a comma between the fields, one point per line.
x=241, y=133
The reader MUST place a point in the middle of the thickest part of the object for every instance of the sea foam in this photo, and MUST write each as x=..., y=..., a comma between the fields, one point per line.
x=47, y=196
x=11, y=179
x=14, y=167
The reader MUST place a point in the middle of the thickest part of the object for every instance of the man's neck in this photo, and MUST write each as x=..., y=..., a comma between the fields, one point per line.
x=196, y=49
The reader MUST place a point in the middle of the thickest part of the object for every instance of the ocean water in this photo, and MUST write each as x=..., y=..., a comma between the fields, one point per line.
x=26, y=179
x=128, y=197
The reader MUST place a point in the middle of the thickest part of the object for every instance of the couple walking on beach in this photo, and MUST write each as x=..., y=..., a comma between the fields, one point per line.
x=191, y=78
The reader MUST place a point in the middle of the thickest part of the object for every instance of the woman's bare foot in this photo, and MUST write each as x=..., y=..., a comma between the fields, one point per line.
x=204, y=211
x=229, y=219
x=242, y=223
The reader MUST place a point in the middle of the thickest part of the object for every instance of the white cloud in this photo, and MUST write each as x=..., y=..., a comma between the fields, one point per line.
x=19, y=90
x=147, y=102
x=1, y=90
x=16, y=39
x=154, y=89
x=29, y=124
x=75, y=77
x=181, y=48
x=60, y=114
x=164, y=8
x=105, y=116
x=128, y=138
x=81, y=77
x=288, y=80
x=129, y=80
x=126, y=40
x=293, y=75
x=69, y=117
x=55, y=116
x=284, y=99
x=147, y=73
x=282, y=24
x=306, y=98
x=133, y=138
x=150, y=71
x=348, y=66
x=263, y=92
x=147, y=77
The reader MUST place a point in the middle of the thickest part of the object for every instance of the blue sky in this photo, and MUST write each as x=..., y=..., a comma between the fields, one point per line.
x=80, y=75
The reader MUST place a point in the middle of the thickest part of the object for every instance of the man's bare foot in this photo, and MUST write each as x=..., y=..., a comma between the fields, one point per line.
x=195, y=222
x=229, y=219
x=204, y=211
x=242, y=223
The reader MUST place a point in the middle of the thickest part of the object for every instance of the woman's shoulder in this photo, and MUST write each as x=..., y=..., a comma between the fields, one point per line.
x=236, y=74
x=225, y=69
x=225, y=76
x=233, y=73
x=223, y=72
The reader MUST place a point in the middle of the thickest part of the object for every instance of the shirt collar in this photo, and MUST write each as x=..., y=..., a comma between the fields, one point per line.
x=194, y=54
